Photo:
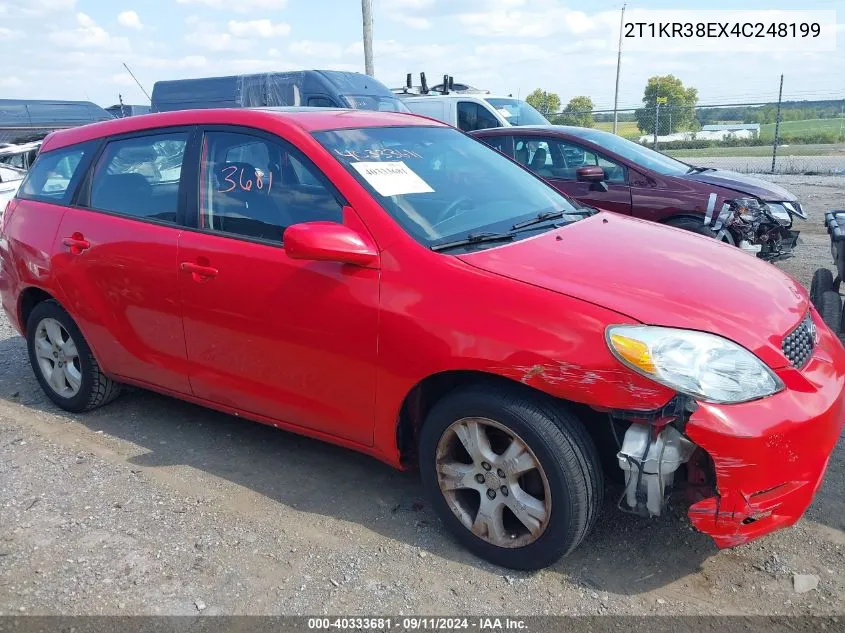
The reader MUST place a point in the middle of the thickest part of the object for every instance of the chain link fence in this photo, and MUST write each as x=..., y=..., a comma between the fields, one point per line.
x=805, y=138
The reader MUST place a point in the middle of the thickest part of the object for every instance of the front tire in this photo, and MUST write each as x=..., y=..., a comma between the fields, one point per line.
x=63, y=363
x=515, y=477
x=831, y=310
x=822, y=283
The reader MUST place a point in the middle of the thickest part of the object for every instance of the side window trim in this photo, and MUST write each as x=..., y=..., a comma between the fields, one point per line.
x=193, y=205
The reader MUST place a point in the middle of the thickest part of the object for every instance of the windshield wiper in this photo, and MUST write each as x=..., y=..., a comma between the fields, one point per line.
x=698, y=170
x=542, y=217
x=475, y=238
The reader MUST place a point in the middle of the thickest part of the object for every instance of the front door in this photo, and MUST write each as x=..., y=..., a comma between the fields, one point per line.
x=116, y=259
x=557, y=160
x=287, y=339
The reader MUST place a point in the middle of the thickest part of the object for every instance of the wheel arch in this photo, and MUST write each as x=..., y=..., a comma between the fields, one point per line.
x=427, y=392
x=28, y=299
x=31, y=296
x=682, y=215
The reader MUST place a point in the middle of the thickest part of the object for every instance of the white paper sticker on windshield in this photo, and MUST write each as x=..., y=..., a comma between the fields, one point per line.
x=392, y=178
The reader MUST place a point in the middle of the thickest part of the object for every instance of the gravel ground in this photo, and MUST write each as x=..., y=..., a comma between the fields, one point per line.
x=154, y=506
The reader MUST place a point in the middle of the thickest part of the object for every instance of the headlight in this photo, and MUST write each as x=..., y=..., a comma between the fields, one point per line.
x=748, y=208
x=779, y=213
x=705, y=366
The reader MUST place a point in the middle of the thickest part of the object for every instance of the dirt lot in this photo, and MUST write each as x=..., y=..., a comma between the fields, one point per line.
x=152, y=506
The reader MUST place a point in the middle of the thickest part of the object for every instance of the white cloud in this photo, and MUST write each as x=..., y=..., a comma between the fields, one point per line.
x=10, y=81
x=241, y=6
x=316, y=49
x=544, y=21
x=414, y=5
x=39, y=7
x=413, y=22
x=259, y=28
x=208, y=36
x=88, y=35
x=8, y=34
x=130, y=20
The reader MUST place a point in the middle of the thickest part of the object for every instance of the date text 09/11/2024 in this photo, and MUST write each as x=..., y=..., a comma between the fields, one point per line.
x=409, y=623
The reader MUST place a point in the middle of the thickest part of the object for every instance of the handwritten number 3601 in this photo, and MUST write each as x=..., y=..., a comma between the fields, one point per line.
x=246, y=185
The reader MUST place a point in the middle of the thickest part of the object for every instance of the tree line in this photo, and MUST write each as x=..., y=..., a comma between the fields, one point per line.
x=678, y=109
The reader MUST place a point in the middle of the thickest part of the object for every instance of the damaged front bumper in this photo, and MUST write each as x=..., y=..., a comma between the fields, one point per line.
x=770, y=455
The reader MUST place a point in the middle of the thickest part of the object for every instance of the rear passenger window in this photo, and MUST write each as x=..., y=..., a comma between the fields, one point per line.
x=139, y=177
x=50, y=177
x=256, y=187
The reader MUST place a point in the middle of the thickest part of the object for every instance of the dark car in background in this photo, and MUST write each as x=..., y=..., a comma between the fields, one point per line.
x=27, y=120
x=608, y=172
x=312, y=88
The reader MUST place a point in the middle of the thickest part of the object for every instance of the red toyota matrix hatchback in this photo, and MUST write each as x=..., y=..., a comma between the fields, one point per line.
x=387, y=283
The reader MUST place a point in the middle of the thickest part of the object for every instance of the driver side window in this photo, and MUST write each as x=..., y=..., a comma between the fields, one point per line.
x=256, y=187
x=571, y=156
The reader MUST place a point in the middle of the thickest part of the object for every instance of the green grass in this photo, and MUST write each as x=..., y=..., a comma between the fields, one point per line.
x=805, y=126
x=761, y=150
x=627, y=129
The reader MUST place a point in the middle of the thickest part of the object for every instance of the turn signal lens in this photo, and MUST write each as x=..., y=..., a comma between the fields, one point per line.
x=634, y=351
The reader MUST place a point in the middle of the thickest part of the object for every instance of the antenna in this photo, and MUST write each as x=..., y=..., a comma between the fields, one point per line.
x=137, y=82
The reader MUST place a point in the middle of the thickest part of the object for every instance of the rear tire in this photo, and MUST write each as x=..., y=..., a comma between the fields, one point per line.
x=553, y=475
x=63, y=363
x=696, y=225
x=831, y=310
x=822, y=283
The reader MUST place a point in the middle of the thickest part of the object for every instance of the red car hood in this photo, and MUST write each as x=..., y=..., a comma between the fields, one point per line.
x=660, y=276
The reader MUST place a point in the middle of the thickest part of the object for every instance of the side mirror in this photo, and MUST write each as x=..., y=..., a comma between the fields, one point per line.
x=328, y=242
x=594, y=175
x=590, y=174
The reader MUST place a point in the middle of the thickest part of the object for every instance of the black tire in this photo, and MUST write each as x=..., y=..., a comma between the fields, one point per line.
x=831, y=310
x=696, y=225
x=563, y=448
x=96, y=388
x=822, y=283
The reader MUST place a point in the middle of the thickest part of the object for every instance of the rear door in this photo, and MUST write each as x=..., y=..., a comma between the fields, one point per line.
x=290, y=340
x=115, y=257
x=557, y=160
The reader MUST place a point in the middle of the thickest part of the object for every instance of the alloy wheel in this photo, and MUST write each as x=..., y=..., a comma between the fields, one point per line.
x=58, y=358
x=493, y=482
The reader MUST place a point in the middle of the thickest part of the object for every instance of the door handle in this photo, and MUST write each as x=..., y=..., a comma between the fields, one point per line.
x=76, y=243
x=198, y=270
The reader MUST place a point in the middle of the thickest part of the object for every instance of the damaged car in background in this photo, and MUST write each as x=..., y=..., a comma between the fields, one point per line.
x=425, y=300
x=611, y=173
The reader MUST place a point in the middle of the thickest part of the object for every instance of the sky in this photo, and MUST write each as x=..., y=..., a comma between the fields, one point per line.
x=75, y=49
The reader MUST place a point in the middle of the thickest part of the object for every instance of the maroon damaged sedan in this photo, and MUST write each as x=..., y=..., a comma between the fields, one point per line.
x=610, y=173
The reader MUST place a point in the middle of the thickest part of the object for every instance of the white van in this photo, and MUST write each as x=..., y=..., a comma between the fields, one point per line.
x=470, y=112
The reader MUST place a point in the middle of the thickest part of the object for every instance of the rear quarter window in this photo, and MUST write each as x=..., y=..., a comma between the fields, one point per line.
x=54, y=174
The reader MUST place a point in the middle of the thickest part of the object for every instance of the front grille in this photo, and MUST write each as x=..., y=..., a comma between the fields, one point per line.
x=798, y=344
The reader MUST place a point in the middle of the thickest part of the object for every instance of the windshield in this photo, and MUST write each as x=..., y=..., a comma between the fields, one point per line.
x=441, y=185
x=374, y=102
x=517, y=112
x=634, y=152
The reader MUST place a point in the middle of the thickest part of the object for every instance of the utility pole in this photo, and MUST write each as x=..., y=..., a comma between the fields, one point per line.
x=777, y=126
x=618, y=66
x=367, y=14
x=657, y=102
